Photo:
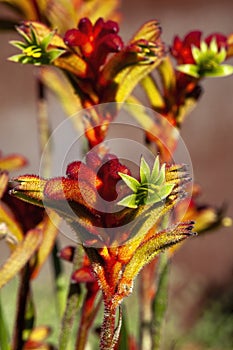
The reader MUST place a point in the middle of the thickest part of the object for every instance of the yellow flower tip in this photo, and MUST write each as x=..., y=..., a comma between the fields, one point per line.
x=227, y=221
x=28, y=187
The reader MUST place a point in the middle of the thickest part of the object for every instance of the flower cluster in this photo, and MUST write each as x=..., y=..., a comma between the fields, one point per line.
x=123, y=218
x=95, y=42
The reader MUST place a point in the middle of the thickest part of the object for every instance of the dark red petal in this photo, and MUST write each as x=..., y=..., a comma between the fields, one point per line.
x=83, y=275
x=85, y=26
x=193, y=38
x=75, y=37
x=111, y=26
x=98, y=27
x=109, y=175
x=93, y=160
x=111, y=168
x=73, y=169
x=111, y=43
x=176, y=47
x=67, y=253
x=220, y=39
x=79, y=171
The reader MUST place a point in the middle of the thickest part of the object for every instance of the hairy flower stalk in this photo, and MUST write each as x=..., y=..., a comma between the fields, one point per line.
x=121, y=241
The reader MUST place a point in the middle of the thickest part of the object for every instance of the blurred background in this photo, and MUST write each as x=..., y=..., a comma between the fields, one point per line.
x=203, y=266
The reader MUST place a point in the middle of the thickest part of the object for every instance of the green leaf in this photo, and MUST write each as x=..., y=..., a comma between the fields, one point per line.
x=46, y=40
x=153, y=198
x=19, y=44
x=144, y=171
x=4, y=334
x=16, y=58
x=221, y=56
x=24, y=35
x=190, y=69
x=130, y=181
x=124, y=335
x=162, y=176
x=165, y=190
x=159, y=305
x=129, y=201
x=203, y=47
x=54, y=54
x=213, y=46
x=34, y=38
x=155, y=170
x=220, y=71
x=196, y=54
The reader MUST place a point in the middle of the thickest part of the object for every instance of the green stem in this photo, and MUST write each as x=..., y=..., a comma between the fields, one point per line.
x=145, y=341
x=4, y=334
x=43, y=127
x=24, y=290
x=59, y=279
x=72, y=306
x=159, y=306
x=88, y=316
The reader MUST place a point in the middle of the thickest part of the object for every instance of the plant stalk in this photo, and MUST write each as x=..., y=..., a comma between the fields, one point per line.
x=72, y=306
x=108, y=335
x=4, y=334
x=24, y=290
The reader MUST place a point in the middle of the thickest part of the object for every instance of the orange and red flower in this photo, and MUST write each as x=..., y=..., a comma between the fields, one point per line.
x=95, y=42
x=181, y=50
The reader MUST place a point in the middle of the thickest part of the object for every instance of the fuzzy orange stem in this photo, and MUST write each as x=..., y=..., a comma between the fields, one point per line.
x=108, y=335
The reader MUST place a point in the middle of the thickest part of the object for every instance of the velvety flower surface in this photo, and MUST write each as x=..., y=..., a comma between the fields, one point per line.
x=117, y=251
x=96, y=41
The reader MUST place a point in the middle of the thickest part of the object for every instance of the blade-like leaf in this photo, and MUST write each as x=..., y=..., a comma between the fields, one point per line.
x=49, y=228
x=144, y=171
x=220, y=71
x=161, y=178
x=130, y=181
x=42, y=31
x=190, y=69
x=21, y=255
x=196, y=54
x=167, y=74
x=60, y=85
x=165, y=190
x=129, y=201
x=155, y=170
x=152, y=91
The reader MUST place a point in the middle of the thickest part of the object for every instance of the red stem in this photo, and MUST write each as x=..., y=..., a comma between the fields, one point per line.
x=107, y=335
